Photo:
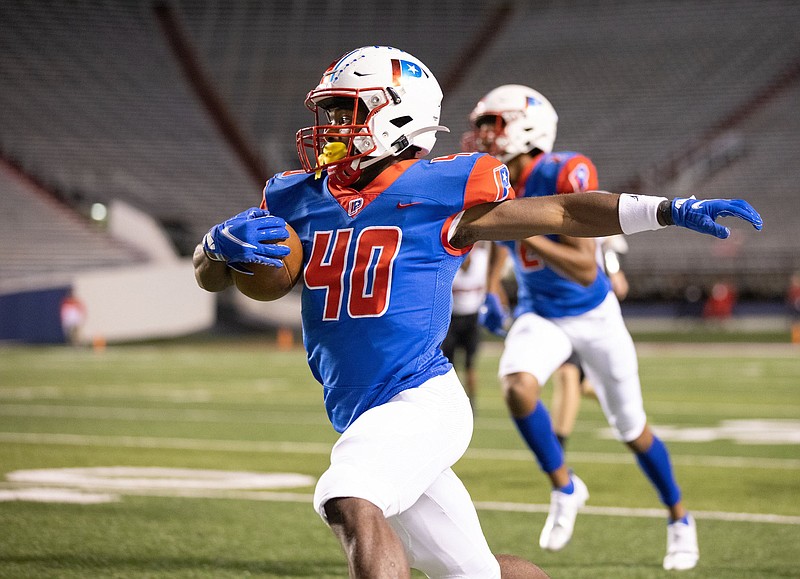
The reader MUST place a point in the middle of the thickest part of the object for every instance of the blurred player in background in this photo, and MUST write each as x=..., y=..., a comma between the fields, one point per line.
x=793, y=303
x=565, y=305
x=464, y=334
x=569, y=381
x=383, y=235
x=73, y=316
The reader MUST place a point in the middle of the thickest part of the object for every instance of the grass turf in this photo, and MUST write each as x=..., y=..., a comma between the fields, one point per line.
x=243, y=406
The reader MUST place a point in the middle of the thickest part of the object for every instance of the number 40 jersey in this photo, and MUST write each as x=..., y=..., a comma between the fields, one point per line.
x=378, y=272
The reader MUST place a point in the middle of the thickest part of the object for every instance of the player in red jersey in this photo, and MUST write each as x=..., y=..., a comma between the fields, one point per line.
x=383, y=233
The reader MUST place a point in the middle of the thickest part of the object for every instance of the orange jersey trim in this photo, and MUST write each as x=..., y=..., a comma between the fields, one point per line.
x=354, y=201
x=487, y=183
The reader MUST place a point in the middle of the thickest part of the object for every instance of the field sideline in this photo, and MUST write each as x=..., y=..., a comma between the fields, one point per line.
x=198, y=460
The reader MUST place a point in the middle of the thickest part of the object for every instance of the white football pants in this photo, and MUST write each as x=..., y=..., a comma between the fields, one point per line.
x=398, y=457
x=538, y=346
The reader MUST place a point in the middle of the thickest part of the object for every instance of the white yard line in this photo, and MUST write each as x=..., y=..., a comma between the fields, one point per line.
x=323, y=448
x=164, y=414
x=173, y=443
x=289, y=497
x=317, y=416
x=647, y=513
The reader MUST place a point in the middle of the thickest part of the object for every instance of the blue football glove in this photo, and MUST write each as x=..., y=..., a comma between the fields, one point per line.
x=248, y=237
x=493, y=315
x=700, y=215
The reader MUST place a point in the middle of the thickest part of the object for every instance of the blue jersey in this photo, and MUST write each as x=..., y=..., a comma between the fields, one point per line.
x=542, y=289
x=378, y=272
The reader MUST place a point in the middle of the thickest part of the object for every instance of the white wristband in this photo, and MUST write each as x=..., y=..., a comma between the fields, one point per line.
x=639, y=213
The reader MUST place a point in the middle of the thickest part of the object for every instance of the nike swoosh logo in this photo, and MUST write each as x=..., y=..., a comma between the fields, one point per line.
x=363, y=73
x=227, y=233
x=698, y=204
x=404, y=205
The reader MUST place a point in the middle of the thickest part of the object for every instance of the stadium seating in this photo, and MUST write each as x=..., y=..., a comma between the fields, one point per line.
x=639, y=84
x=45, y=241
x=95, y=105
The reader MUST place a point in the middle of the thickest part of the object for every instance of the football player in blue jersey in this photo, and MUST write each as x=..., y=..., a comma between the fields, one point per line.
x=569, y=381
x=383, y=233
x=565, y=307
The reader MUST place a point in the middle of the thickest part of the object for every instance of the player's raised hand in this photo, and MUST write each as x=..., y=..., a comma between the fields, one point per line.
x=701, y=214
x=493, y=315
x=248, y=237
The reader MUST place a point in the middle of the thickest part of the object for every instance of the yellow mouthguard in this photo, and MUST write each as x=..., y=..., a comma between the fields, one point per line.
x=330, y=152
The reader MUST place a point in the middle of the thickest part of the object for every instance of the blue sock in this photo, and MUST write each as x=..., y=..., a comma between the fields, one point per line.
x=656, y=465
x=537, y=431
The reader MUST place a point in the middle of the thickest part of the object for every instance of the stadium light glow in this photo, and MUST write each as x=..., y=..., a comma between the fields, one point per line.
x=99, y=212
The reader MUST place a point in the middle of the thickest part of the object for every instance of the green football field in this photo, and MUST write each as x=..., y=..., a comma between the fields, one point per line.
x=164, y=460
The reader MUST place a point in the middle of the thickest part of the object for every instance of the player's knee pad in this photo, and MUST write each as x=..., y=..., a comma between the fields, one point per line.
x=343, y=480
x=628, y=423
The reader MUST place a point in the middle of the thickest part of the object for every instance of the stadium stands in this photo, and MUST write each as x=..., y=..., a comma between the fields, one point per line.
x=666, y=96
x=94, y=105
x=45, y=241
x=266, y=55
x=639, y=84
x=647, y=89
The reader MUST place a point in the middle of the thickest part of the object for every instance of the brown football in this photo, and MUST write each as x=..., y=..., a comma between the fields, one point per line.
x=270, y=283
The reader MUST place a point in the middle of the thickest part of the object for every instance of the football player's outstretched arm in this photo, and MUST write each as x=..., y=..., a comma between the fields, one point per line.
x=596, y=214
x=577, y=214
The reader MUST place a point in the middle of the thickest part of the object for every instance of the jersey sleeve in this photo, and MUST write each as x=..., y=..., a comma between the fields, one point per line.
x=577, y=174
x=276, y=184
x=488, y=182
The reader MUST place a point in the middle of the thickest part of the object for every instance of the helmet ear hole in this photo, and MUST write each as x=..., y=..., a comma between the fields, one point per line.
x=401, y=121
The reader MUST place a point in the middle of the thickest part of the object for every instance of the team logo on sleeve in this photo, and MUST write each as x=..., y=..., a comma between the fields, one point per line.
x=502, y=181
x=579, y=177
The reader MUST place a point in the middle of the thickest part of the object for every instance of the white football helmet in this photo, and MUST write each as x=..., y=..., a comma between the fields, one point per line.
x=396, y=105
x=519, y=119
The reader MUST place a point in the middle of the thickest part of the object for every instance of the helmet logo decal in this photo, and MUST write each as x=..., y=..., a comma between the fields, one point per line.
x=401, y=68
x=532, y=101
